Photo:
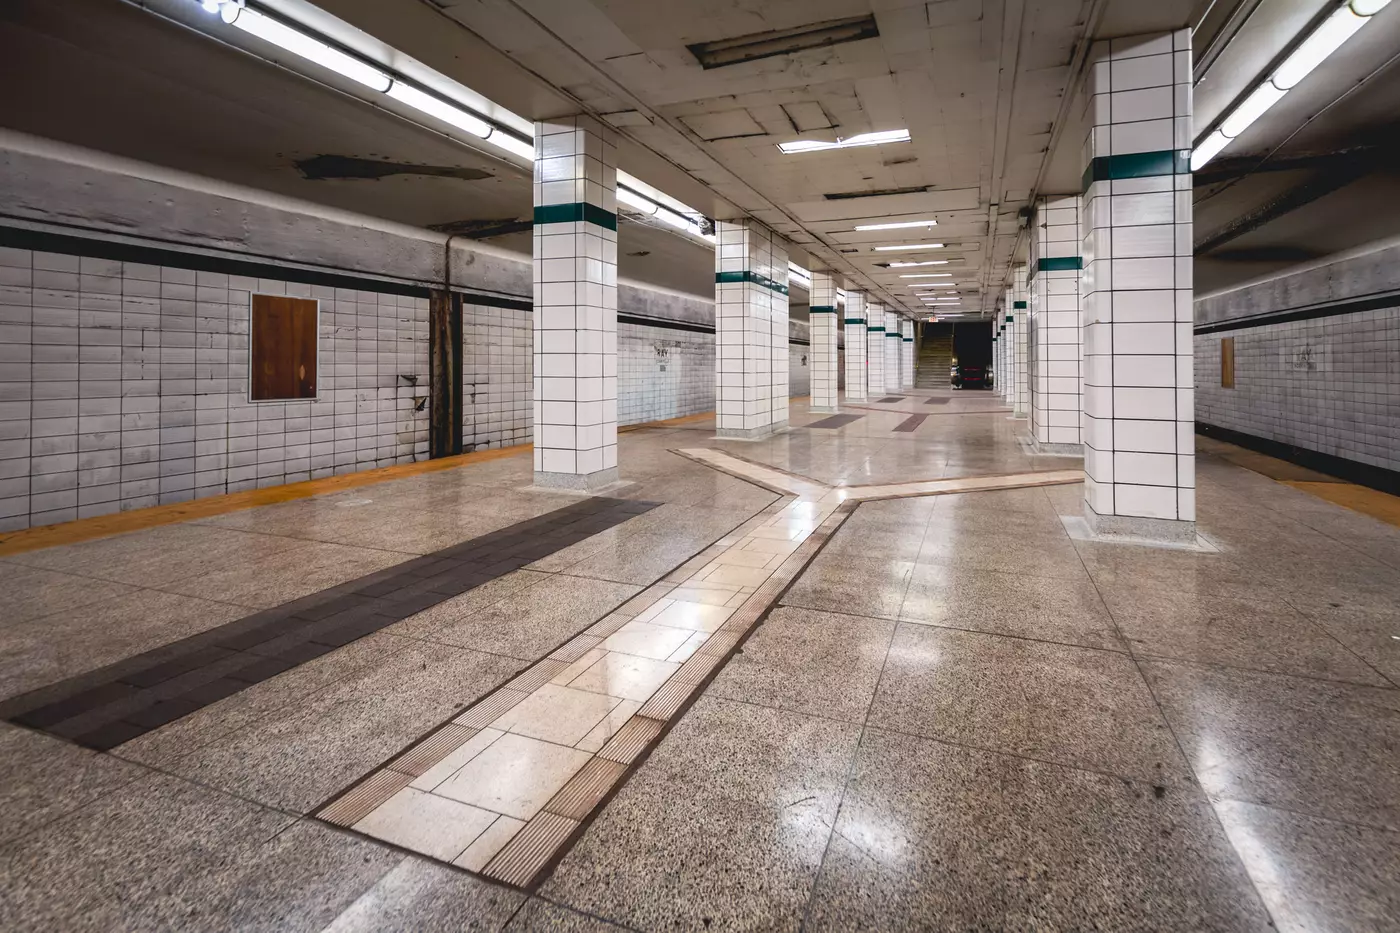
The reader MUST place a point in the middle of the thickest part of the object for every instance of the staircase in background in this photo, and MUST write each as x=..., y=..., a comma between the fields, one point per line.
x=935, y=360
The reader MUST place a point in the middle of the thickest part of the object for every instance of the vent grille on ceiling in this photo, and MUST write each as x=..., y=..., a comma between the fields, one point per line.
x=740, y=49
x=879, y=192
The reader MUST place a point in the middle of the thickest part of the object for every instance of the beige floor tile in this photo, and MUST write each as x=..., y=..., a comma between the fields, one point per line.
x=488, y=843
x=585, y=661
x=699, y=592
x=557, y=714
x=608, y=727
x=516, y=776
x=697, y=617
x=692, y=645
x=738, y=576
x=455, y=760
x=624, y=676
x=650, y=612
x=741, y=558
x=645, y=640
x=426, y=823
x=765, y=545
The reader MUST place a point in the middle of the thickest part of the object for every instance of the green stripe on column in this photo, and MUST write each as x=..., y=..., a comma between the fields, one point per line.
x=1010, y=319
x=853, y=320
x=1018, y=305
x=875, y=328
x=575, y=213
x=760, y=280
x=1137, y=165
x=1060, y=263
x=821, y=309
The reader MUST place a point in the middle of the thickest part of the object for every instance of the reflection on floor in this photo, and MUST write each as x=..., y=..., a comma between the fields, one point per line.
x=954, y=716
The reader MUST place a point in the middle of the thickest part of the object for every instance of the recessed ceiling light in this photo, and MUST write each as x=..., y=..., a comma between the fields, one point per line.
x=926, y=262
x=899, y=226
x=926, y=275
x=850, y=142
x=887, y=249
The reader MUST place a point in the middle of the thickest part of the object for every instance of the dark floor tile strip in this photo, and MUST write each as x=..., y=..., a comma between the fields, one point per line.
x=908, y=425
x=835, y=421
x=936, y=400
x=102, y=709
x=889, y=399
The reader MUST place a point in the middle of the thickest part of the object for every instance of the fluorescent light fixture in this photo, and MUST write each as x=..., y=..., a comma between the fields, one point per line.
x=1329, y=36
x=1325, y=39
x=886, y=249
x=899, y=226
x=524, y=148
x=926, y=275
x=1252, y=108
x=1208, y=149
x=926, y=262
x=864, y=139
x=636, y=201
x=299, y=43
x=439, y=109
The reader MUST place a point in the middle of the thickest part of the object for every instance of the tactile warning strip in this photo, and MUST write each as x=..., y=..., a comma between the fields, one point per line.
x=104, y=708
x=549, y=747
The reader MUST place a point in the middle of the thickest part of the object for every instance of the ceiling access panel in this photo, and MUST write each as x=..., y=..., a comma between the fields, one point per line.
x=884, y=205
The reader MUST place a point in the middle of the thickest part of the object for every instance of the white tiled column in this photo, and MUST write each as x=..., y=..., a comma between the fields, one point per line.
x=822, y=315
x=751, y=330
x=1008, y=352
x=875, y=348
x=1139, y=406
x=892, y=354
x=1056, y=407
x=906, y=352
x=575, y=319
x=996, y=355
x=1021, y=402
x=856, y=365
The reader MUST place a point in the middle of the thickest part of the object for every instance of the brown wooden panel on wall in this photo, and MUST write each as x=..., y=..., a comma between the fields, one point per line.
x=283, y=348
x=1227, y=362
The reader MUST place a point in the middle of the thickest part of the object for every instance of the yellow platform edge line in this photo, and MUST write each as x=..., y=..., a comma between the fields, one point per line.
x=1378, y=505
x=103, y=526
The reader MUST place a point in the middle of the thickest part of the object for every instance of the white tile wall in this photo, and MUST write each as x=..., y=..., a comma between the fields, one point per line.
x=663, y=373
x=1328, y=384
x=125, y=385
x=497, y=363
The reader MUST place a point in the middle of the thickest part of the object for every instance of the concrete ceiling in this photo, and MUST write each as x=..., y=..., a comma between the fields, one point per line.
x=1304, y=181
x=107, y=75
x=980, y=84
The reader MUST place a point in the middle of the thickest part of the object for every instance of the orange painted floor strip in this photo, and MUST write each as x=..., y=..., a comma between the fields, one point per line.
x=667, y=423
x=1363, y=499
x=103, y=526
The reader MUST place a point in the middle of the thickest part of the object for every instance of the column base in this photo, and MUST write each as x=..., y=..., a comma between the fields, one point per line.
x=750, y=434
x=1038, y=448
x=824, y=409
x=1132, y=528
x=578, y=482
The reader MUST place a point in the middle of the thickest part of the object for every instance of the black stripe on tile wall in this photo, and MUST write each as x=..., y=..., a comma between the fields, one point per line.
x=1363, y=474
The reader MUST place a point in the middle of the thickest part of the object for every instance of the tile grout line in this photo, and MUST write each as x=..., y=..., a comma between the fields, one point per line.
x=1181, y=749
x=667, y=704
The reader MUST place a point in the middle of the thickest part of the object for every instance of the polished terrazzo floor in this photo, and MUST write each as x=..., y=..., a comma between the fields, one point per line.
x=953, y=715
